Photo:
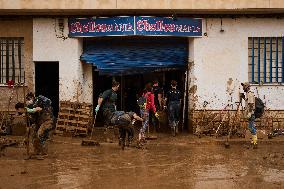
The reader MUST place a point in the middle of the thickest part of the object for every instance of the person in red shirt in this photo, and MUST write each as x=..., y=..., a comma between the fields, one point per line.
x=149, y=106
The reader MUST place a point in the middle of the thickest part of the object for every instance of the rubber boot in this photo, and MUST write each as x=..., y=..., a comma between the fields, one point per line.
x=173, y=131
x=130, y=140
x=254, y=141
x=173, y=128
x=44, y=151
x=37, y=148
x=40, y=156
x=122, y=143
x=177, y=127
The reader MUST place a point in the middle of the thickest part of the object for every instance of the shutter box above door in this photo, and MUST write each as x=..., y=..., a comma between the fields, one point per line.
x=130, y=55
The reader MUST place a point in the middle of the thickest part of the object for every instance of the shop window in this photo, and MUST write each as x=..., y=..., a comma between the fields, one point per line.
x=265, y=59
x=12, y=60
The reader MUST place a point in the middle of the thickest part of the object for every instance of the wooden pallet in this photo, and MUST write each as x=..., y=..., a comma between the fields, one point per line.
x=74, y=117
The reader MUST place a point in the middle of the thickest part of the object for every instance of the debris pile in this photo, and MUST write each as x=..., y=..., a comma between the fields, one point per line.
x=74, y=117
x=220, y=123
x=276, y=132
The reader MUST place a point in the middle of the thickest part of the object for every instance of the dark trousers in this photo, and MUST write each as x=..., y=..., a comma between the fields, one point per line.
x=153, y=119
x=174, y=107
x=126, y=131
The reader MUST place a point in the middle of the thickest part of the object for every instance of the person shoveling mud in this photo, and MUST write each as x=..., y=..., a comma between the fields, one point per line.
x=40, y=117
x=124, y=121
x=254, y=108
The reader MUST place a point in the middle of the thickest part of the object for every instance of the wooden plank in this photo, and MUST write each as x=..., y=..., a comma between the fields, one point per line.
x=63, y=114
x=82, y=129
x=83, y=122
x=62, y=120
x=83, y=116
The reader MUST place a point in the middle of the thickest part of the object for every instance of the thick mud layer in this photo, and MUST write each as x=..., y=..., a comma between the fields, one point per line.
x=168, y=163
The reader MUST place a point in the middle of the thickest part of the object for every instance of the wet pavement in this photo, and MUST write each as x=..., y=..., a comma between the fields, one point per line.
x=164, y=163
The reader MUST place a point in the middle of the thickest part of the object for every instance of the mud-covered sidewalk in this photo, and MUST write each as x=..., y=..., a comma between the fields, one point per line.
x=181, y=162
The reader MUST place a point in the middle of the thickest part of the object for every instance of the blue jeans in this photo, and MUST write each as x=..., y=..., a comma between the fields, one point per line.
x=251, y=124
x=145, y=123
x=174, y=107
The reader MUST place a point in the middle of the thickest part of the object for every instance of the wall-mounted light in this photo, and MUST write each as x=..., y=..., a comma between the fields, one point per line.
x=206, y=31
x=174, y=17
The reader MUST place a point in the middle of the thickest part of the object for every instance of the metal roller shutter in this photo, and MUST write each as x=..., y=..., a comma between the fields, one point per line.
x=126, y=56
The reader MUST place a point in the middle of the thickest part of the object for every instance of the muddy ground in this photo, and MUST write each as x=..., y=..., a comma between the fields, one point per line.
x=164, y=163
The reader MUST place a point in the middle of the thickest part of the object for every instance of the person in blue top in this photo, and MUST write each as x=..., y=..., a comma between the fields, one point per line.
x=173, y=97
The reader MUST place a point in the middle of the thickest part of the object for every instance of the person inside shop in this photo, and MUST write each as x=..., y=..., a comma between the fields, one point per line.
x=173, y=98
x=146, y=104
x=107, y=102
x=158, y=98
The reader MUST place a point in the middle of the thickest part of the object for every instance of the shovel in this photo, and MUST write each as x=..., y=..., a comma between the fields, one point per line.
x=90, y=142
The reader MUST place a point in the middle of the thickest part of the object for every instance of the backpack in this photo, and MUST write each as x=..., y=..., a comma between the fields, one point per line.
x=259, y=107
x=142, y=101
x=43, y=102
x=121, y=119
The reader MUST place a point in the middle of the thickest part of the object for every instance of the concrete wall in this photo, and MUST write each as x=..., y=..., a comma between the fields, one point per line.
x=217, y=60
x=48, y=6
x=18, y=28
x=52, y=44
x=220, y=56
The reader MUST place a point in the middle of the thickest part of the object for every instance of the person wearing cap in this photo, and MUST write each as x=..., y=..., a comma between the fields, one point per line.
x=249, y=111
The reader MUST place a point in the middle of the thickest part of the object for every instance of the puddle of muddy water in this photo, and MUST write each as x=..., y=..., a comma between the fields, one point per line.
x=160, y=166
x=272, y=175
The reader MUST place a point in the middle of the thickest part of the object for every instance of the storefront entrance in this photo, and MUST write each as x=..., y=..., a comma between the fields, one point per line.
x=132, y=86
x=135, y=61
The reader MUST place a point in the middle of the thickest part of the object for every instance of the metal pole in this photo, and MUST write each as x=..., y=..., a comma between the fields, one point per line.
x=184, y=99
x=252, y=61
x=258, y=61
x=276, y=59
x=270, y=78
x=264, y=60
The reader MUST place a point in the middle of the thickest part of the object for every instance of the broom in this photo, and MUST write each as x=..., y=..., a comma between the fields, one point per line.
x=90, y=142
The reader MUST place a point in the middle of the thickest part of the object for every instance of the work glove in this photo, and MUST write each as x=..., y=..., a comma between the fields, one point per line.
x=157, y=115
x=249, y=115
x=97, y=108
x=38, y=109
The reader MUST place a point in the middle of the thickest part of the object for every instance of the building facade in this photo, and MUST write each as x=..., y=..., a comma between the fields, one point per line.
x=240, y=41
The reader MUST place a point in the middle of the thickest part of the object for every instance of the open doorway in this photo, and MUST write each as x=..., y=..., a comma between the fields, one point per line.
x=47, y=82
x=131, y=87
